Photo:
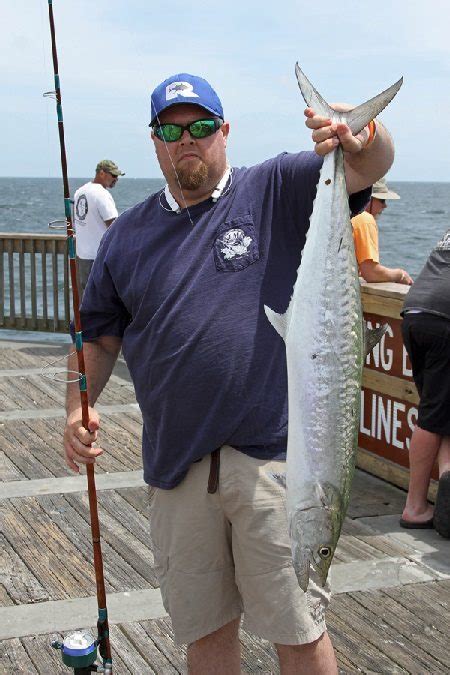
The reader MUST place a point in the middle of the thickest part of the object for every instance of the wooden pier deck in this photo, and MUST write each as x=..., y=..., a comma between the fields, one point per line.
x=389, y=613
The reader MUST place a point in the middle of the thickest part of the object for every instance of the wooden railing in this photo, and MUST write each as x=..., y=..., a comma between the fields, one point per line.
x=34, y=282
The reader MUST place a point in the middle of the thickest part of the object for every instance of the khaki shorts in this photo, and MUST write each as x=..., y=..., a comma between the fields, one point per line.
x=221, y=555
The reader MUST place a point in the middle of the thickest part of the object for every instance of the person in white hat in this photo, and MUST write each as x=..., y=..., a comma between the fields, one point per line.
x=365, y=236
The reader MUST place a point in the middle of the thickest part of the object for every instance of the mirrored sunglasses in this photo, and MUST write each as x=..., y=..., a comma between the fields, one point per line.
x=198, y=129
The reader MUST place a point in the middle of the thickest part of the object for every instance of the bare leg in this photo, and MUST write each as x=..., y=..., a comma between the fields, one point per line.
x=423, y=451
x=218, y=653
x=314, y=658
x=444, y=455
x=442, y=506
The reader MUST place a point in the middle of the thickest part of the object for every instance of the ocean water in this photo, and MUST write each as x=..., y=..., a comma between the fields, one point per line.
x=408, y=228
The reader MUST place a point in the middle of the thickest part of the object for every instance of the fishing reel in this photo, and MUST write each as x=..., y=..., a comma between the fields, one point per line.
x=79, y=651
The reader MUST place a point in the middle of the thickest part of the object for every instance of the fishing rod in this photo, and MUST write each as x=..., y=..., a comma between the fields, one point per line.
x=79, y=650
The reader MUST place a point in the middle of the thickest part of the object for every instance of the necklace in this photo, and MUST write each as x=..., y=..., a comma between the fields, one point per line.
x=221, y=189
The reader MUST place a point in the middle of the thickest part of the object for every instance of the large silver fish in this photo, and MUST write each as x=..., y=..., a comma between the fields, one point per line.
x=326, y=344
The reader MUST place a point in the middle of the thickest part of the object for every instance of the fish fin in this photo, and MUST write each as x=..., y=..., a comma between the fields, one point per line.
x=372, y=336
x=312, y=97
x=328, y=496
x=360, y=116
x=279, y=478
x=278, y=321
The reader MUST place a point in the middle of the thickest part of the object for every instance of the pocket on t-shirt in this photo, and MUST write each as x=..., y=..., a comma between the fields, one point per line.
x=236, y=245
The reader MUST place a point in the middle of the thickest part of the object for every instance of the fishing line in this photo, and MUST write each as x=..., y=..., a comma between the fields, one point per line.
x=52, y=376
x=46, y=77
x=174, y=170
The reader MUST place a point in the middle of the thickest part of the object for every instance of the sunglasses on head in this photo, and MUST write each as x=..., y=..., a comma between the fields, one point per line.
x=198, y=129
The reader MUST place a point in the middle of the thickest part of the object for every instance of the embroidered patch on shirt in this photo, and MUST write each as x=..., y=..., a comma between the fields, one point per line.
x=235, y=246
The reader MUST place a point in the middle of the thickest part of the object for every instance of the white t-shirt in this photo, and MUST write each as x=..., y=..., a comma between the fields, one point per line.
x=92, y=206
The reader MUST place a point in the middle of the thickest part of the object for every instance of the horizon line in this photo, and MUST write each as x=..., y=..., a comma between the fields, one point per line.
x=122, y=178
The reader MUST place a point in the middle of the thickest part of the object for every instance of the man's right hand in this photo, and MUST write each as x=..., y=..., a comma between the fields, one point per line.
x=78, y=440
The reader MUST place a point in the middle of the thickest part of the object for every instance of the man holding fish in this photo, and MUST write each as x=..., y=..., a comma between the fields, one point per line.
x=179, y=284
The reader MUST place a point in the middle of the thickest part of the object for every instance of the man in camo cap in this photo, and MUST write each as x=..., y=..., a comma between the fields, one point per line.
x=94, y=211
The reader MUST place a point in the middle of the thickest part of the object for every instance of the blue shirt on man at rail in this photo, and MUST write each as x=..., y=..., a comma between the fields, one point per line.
x=187, y=299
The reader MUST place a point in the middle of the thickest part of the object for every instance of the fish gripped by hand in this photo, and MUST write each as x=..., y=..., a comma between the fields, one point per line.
x=326, y=344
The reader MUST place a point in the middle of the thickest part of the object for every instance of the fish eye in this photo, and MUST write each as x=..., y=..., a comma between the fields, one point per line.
x=324, y=552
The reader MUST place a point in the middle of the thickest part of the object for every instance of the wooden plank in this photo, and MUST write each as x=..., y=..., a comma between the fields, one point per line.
x=137, y=497
x=8, y=470
x=402, y=652
x=136, y=522
x=67, y=287
x=430, y=600
x=375, y=304
x=161, y=634
x=55, y=285
x=23, y=312
x=27, y=461
x=12, y=304
x=385, y=289
x=415, y=628
x=33, y=284
x=156, y=660
x=45, y=529
x=44, y=287
x=124, y=645
x=133, y=562
x=21, y=587
x=32, y=548
x=35, y=448
x=366, y=655
x=390, y=385
x=367, y=499
x=42, y=325
x=127, y=564
x=33, y=392
x=2, y=284
x=391, y=548
x=31, y=236
x=351, y=548
x=14, y=658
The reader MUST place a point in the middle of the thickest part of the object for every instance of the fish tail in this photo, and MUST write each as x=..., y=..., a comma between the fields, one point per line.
x=357, y=118
x=360, y=116
x=312, y=97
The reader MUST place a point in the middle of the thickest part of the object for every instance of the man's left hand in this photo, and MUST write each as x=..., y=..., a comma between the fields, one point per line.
x=327, y=135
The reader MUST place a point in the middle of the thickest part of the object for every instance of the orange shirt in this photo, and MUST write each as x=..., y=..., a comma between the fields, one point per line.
x=365, y=237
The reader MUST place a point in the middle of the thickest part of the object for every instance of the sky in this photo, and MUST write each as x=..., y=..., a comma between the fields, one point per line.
x=112, y=54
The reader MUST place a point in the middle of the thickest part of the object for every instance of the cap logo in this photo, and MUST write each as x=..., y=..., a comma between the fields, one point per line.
x=175, y=89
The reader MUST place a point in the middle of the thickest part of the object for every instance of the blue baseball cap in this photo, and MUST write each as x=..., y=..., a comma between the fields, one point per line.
x=184, y=88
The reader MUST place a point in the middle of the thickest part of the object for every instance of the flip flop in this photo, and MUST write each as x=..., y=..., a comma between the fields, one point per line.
x=442, y=506
x=409, y=525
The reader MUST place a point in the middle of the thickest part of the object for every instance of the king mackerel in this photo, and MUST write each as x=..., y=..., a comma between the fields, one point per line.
x=326, y=344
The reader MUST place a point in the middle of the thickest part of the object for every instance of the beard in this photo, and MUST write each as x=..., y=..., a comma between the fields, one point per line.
x=193, y=178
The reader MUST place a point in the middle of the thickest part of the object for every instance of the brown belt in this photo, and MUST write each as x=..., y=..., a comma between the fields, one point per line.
x=213, y=480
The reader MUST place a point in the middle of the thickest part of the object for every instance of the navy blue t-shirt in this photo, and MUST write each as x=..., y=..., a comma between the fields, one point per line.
x=188, y=302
